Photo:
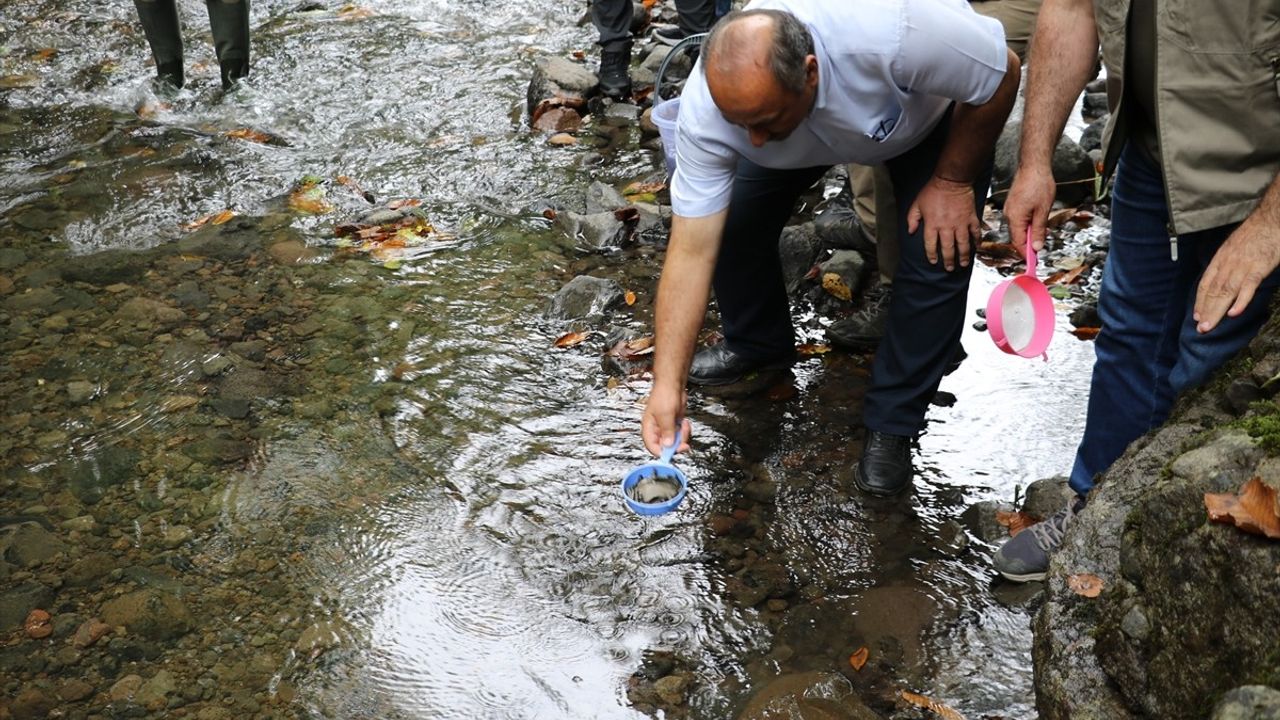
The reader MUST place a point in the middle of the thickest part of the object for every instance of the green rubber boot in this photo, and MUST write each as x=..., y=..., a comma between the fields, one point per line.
x=229, y=20
x=164, y=35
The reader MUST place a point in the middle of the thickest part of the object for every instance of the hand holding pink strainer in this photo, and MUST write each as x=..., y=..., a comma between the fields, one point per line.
x=1020, y=313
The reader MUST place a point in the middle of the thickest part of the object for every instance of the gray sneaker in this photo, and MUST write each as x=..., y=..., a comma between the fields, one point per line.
x=1025, y=557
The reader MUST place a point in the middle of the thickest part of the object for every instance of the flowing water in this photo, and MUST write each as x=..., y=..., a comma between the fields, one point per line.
x=373, y=488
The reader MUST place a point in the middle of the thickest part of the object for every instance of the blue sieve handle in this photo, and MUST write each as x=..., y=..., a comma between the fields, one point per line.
x=669, y=451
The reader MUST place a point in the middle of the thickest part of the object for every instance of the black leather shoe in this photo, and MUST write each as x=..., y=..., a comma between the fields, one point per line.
x=718, y=365
x=885, y=467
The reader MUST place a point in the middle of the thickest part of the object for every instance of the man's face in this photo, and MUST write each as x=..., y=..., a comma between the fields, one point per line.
x=758, y=104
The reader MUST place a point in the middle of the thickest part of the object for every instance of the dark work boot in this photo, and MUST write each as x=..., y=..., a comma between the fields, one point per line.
x=863, y=329
x=885, y=467
x=718, y=365
x=229, y=22
x=615, y=78
x=164, y=35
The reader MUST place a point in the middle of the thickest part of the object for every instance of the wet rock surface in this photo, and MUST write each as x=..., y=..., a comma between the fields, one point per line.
x=1177, y=586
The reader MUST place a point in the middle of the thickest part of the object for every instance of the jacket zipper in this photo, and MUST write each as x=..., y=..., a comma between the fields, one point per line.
x=1164, y=176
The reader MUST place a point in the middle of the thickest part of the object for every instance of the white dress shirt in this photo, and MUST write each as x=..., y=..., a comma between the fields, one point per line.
x=887, y=71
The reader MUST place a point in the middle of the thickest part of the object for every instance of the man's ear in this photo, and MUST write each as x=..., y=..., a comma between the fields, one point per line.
x=811, y=70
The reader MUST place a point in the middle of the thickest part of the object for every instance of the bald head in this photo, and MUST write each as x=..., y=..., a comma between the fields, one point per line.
x=761, y=72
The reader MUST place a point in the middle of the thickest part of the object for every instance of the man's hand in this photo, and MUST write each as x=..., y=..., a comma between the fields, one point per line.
x=664, y=409
x=1028, y=205
x=1236, y=271
x=950, y=224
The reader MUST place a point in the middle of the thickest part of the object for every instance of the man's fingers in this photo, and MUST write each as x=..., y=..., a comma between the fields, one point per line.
x=1213, y=298
x=1038, y=228
x=966, y=241
x=913, y=217
x=947, y=239
x=1243, y=297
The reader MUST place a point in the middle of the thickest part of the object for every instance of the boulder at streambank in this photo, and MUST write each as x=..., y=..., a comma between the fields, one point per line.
x=1189, y=608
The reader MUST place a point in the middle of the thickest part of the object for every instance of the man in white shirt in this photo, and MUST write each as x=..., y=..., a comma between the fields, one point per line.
x=784, y=90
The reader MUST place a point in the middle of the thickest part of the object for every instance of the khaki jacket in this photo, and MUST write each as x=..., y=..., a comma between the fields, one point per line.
x=1217, y=103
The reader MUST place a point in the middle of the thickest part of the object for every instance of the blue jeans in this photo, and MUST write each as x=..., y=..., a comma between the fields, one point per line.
x=1149, y=350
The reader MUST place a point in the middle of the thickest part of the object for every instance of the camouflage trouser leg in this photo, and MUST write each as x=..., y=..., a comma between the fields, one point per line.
x=164, y=35
x=229, y=21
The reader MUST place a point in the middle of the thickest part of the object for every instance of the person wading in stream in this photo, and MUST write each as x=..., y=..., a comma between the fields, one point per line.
x=1194, y=142
x=229, y=21
x=786, y=89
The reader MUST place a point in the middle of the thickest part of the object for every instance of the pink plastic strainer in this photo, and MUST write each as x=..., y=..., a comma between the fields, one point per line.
x=1020, y=313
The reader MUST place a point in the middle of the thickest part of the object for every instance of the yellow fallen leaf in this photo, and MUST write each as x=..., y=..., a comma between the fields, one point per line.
x=1085, y=585
x=813, y=349
x=931, y=705
x=859, y=658
x=630, y=298
x=310, y=199
x=217, y=218
x=834, y=284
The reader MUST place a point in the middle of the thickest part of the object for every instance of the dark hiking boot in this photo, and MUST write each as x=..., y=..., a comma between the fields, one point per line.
x=838, y=226
x=669, y=35
x=718, y=365
x=885, y=467
x=615, y=78
x=863, y=329
x=169, y=76
x=1025, y=557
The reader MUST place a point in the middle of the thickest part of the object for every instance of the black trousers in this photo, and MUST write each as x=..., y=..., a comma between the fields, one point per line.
x=612, y=19
x=927, y=311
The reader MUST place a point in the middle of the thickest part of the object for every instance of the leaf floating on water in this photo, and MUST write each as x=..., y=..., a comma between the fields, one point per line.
x=217, y=218
x=44, y=54
x=629, y=298
x=1015, y=521
x=813, y=349
x=392, y=264
x=406, y=202
x=571, y=339
x=859, y=658
x=1085, y=584
x=1086, y=333
x=931, y=705
x=251, y=135
x=1255, y=510
x=632, y=349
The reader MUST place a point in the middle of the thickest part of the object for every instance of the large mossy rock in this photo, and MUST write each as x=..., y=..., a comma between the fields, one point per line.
x=1190, y=608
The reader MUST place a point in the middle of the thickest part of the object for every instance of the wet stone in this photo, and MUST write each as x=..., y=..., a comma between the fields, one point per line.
x=234, y=408
x=980, y=519
x=30, y=704
x=1249, y=702
x=28, y=544
x=88, y=569
x=602, y=197
x=18, y=601
x=75, y=690
x=1047, y=496
x=585, y=297
x=151, y=613
x=107, y=267
x=80, y=392
x=88, y=479
x=11, y=258
x=188, y=294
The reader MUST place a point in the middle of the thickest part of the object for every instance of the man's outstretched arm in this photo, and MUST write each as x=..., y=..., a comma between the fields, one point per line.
x=683, y=293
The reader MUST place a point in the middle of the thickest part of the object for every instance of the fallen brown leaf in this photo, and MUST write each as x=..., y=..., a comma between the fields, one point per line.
x=930, y=704
x=632, y=349
x=1069, y=277
x=859, y=658
x=1085, y=584
x=1058, y=217
x=1086, y=333
x=1015, y=521
x=249, y=134
x=1255, y=510
x=44, y=54
x=813, y=349
x=639, y=188
x=407, y=202
x=571, y=339
x=629, y=298
x=217, y=218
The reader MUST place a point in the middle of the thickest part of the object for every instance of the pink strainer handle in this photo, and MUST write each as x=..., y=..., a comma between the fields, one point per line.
x=1031, y=255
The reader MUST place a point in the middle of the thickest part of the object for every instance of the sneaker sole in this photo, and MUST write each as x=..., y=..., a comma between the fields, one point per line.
x=1028, y=577
x=857, y=482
